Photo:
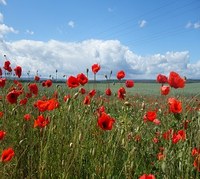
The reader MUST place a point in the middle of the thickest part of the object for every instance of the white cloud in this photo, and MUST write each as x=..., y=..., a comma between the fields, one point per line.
x=74, y=58
x=29, y=32
x=1, y=18
x=3, y=2
x=4, y=29
x=71, y=24
x=142, y=23
x=197, y=25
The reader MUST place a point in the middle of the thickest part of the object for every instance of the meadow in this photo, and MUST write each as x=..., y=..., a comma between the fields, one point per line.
x=50, y=130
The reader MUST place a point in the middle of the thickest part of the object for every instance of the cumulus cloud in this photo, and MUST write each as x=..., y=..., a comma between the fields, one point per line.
x=74, y=58
x=142, y=23
x=197, y=25
x=1, y=18
x=71, y=24
x=4, y=29
x=3, y=2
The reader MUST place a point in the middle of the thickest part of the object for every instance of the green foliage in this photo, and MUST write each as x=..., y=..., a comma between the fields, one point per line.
x=73, y=145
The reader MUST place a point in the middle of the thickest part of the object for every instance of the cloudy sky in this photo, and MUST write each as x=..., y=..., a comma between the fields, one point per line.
x=141, y=37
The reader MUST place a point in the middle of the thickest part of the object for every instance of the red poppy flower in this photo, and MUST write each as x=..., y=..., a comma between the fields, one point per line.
x=7, y=155
x=37, y=78
x=12, y=96
x=167, y=135
x=1, y=114
x=175, y=80
x=196, y=163
x=18, y=71
x=33, y=88
x=27, y=117
x=162, y=79
x=49, y=105
x=121, y=93
x=2, y=134
x=121, y=74
x=86, y=100
x=180, y=135
x=23, y=101
x=145, y=176
x=129, y=83
x=195, y=151
x=175, y=106
x=2, y=82
x=92, y=93
x=108, y=92
x=7, y=66
x=72, y=82
x=164, y=90
x=150, y=116
x=82, y=79
x=105, y=122
x=82, y=90
x=66, y=97
x=41, y=121
x=48, y=83
x=95, y=68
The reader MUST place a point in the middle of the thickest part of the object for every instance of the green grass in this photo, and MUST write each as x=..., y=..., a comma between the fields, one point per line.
x=74, y=146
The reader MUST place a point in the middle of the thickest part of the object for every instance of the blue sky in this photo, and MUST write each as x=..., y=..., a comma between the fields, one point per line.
x=142, y=37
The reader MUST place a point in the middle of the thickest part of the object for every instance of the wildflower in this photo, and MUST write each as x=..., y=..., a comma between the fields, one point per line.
x=108, y=92
x=121, y=74
x=167, y=135
x=195, y=151
x=82, y=79
x=196, y=163
x=162, y=79
x=2, y=82
x=33, y=88
x=49, y=105
x=27, y=117
x=7, y=66
x=95, y=68
x=129, y=83
x=86, y=100
x=150, y=116
x=121, y=93
x=82, y=90
x=72, y=82
x=145, y=176
x=92, y=93
x=1, y=114
x=37, y=78
x=180, y=135
x=160, y=156
x=164, y=90
x=48, y=83
x=7, y=155
x=2, y=134
x=18, y=71
x=12, y=96
x=105, y=122
x=23, y=101
x=41, y=121
x=175, y=105
x=66, y=97
x=175, y=80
